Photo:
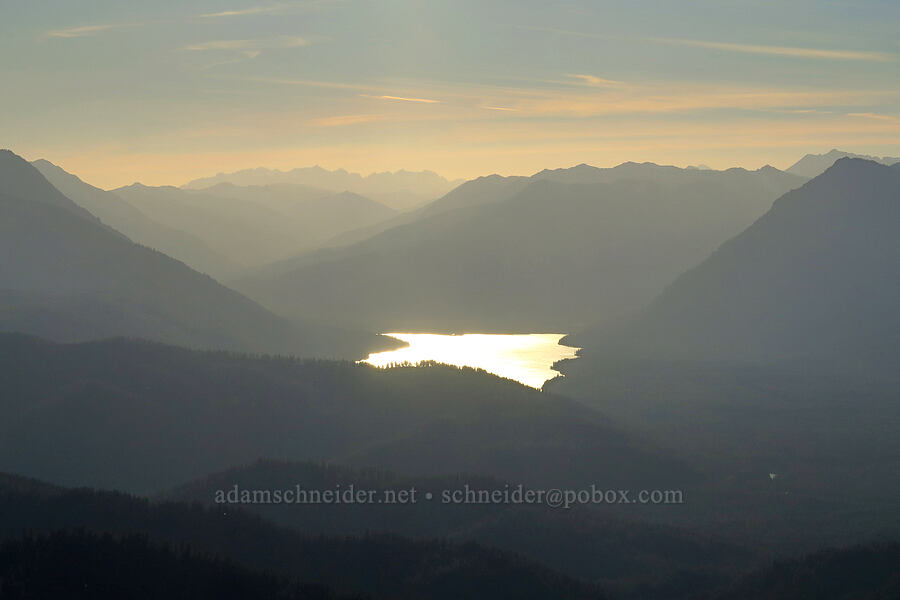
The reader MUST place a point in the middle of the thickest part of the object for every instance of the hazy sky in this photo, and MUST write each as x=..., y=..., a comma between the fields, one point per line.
x=165, y=91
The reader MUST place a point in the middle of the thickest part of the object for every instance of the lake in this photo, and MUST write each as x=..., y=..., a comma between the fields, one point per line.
x=527, y=358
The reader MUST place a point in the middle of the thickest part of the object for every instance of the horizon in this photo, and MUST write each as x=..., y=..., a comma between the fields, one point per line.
x=169, y=92
x=700, y=164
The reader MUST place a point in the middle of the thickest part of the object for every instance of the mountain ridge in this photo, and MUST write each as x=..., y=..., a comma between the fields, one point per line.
x=65, y=271
x=401, y=190
x=817, y=265
x=137, y=226
x=812, y=165
x=614, y=235
x=253, y=225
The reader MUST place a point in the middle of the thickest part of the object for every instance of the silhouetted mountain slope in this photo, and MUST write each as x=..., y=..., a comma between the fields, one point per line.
x=478, y=192
x=127, y=219
x=401, y=190
x=813, y=165
x=84, y=565
x=310, y=214
x=816, y=277
x=66, y=275
x=143, y=416
x=867, y=572
x=827, y=433
x=379, y=566
x=778, y=354
x=243, y=231
x=18, y=179
x=132, y=535
x=25, y=485
x=494, y=188
x=526, y=253
x=482, y=190
x=257, y=224
x=607, y=546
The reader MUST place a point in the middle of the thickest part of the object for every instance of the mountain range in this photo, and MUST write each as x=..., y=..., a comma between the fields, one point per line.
x=253, y=225
x=739, y=333
x=114, y=211
x=776, y=355
x=67, y=276
x=555, y=251
x=813, y=165
x=401, y=190
x=814, y=278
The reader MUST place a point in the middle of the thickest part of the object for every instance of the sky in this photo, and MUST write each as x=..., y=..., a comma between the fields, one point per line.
x=167, y=91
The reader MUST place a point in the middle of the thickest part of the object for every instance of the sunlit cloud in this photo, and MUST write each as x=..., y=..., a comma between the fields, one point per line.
x=816, y=53
x=220, y=45
x=797, y=52
x=593, y=81
x=220, y=63
x=84, y=31
x=231, y=92
x=646, y=98
x=869, y=115
x=801, y=111
x=401, y=99
x=650, y=99
x=342, y=120
x=253, y=46
x=267, y=9
x=253, y=10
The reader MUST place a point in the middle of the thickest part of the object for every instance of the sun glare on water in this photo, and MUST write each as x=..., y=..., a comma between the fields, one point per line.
x=527, y=358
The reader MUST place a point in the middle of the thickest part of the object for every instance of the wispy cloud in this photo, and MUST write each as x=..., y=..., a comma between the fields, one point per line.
x=801, y=111
x=811, y=53
x=253, y=10
x=84, y=30
x=401, y=98
x=266, y=9
x=659, y=99
x=220, y=45
x=816, y=53
x=277, y=42
x=341, y=120
x=870, y=115
x=565, y=100
x=593, y=81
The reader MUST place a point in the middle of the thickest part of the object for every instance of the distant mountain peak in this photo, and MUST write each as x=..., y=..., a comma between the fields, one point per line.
x=400, y=189
x=45, y=162
x=815, y=277
x=813, y=165
x=851, y=166
x=21, y=180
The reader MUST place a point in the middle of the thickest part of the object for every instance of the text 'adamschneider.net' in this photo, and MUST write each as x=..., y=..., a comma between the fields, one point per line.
x=508, y=495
